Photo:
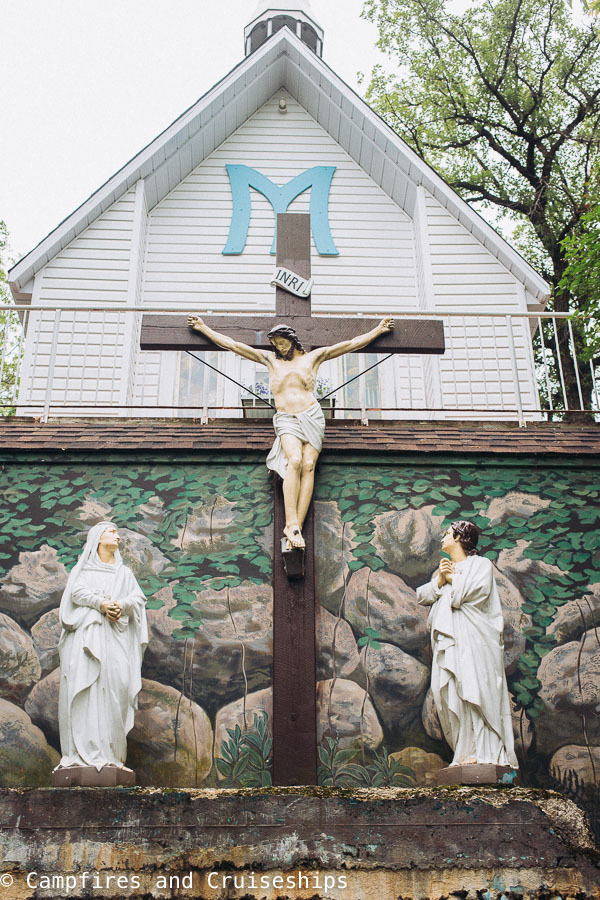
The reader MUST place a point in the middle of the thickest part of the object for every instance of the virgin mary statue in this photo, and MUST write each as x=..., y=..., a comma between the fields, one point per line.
x=104, y=636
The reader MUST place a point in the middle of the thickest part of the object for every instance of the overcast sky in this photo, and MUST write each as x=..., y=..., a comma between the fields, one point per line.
x=87, y=83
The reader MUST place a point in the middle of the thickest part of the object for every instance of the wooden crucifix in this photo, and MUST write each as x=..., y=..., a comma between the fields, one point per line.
x=294, y=664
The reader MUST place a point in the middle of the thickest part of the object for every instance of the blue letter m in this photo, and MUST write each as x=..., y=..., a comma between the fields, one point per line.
x=243, y=178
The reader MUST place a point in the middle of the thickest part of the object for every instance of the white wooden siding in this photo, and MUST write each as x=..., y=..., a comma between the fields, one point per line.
x=171, y=257
x=477, y=369
x=188, y=229
x=94, y=269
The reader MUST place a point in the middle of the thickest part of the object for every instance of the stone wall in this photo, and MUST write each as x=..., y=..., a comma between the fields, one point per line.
x=303, y=843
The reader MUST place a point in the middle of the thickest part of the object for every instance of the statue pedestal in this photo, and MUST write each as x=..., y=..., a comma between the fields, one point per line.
x=478, y=773
x=89, y=776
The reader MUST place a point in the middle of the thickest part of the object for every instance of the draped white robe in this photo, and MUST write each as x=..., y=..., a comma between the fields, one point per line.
x=100, y=660
x=467, y=676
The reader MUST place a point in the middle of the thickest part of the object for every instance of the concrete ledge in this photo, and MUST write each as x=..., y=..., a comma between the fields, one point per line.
x=294, y=842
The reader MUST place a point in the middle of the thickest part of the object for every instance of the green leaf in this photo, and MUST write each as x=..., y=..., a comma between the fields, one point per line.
x=223, y=767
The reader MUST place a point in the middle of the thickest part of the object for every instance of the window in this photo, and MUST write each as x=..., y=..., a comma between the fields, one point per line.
x=280, y=22
x=199, y=385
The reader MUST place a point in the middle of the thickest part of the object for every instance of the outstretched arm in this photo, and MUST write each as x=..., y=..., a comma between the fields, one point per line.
x=227, y=343
x=356, y=343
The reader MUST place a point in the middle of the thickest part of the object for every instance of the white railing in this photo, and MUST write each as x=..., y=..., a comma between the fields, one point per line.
x=72, y=360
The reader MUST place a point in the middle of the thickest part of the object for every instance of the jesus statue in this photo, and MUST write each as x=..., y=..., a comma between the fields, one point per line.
x=298, y=421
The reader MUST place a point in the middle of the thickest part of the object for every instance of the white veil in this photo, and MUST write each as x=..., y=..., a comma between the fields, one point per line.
x=71, y=615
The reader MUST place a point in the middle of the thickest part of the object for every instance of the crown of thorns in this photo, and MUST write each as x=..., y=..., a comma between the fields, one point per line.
x=284, y=331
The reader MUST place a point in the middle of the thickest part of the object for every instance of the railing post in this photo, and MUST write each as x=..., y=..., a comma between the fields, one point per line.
x=513, y=358
x=576, y=367
x=560, y=366
x=5, y=334
x=51, y=364
x=547, y=373
x=595, y=385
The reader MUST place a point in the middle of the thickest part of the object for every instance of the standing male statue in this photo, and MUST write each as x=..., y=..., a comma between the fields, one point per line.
x=467, y=674
x=299, y=422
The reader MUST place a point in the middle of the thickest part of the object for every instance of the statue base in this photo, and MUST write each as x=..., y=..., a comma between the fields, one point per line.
x=479, y=773
x=89, y=776
x=293, y=560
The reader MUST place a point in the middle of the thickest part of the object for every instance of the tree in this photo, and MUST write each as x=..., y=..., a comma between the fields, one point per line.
x=10, y=335
x=504, y=101
x=582, y=275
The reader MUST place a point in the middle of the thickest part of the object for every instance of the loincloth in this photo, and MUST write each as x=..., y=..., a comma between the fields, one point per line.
x=308, y=426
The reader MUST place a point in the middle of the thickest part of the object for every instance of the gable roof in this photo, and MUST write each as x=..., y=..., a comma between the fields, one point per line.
x=282, y=62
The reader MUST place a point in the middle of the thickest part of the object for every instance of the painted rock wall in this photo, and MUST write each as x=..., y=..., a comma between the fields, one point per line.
x=198, y=536
x=381, y=528
x=199, y=540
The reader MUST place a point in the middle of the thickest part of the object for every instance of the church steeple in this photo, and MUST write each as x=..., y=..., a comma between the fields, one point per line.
x=267, y=21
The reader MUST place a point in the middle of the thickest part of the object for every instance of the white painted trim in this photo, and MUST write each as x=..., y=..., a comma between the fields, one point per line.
x=421, y=235
x=134, y=287
x=30, y=346
x=530, y=326
x=432, y=379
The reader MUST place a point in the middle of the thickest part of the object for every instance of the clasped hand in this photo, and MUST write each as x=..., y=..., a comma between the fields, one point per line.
x=111, y=609
x=446, y=573
x=195, y=321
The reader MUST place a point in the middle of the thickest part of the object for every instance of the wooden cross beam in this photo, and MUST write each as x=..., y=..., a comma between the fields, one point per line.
x=294, y=662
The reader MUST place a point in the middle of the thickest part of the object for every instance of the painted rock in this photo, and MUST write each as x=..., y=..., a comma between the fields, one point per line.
x=140, y=554
x=584, y=762
x=576, y=616
x=336, y=648
x=397, y=685
x=232, y=646
x=34, y=586
x=345, y=711
x=424, y=765
x=334, y=541
x=523, y=572
x=384, y=602
x=26, y=759
x=19, y=665
x=430, y=718
x=42, y=706
x=409, y=542
x=570, y=675
x=515, y=621
x=208, y=527
x=170, y=744
x=46, y=635
x=515, y=503
x=241, y=712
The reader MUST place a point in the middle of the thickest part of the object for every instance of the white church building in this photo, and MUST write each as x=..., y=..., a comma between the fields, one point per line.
x=184, y=227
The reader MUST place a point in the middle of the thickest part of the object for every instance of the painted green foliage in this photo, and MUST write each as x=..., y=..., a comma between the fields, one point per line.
x=564, y=534
x=245, y=759
x=40, y=506
x=376, y=769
